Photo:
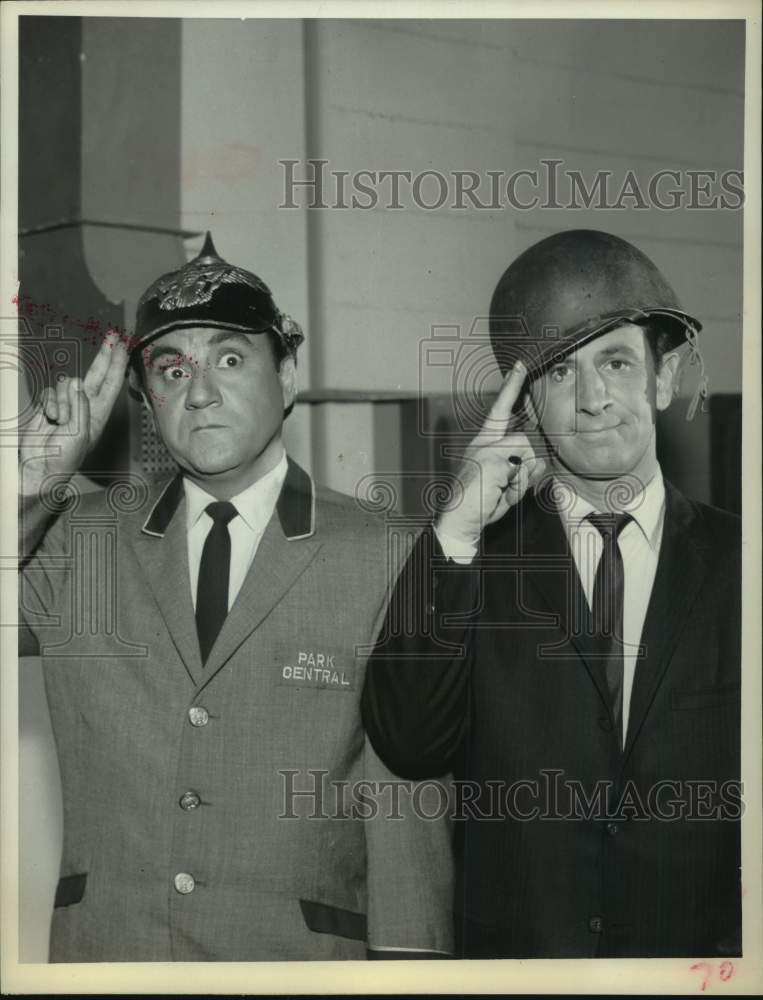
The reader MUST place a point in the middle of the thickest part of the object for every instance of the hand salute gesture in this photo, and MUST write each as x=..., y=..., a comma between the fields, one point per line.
x=71, y=417
x=496, y=471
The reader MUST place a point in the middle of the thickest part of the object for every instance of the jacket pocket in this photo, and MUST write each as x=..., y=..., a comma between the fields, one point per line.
x=325, y=919
x=705, y=698
x=70, y=890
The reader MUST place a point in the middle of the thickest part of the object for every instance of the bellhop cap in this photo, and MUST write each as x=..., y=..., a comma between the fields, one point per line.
x=572, y=287
x=210, y=292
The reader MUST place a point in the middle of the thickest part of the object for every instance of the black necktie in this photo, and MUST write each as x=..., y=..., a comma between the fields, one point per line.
x=214, y=571
x=607, y=607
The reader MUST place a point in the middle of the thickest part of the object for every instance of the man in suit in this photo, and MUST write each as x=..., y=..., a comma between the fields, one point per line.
x=575, y=654
x=199, y=643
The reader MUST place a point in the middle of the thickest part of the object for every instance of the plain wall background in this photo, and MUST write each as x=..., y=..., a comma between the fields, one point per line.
x=189, y=134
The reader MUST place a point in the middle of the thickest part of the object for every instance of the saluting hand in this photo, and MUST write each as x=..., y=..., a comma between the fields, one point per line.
x=496, y=470
x=71, y=417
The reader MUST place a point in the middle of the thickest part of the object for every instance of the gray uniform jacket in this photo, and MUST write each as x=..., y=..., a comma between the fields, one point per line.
x=184, y=838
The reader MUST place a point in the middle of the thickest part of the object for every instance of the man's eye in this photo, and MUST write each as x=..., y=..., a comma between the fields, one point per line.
x=229, y=360
x=173, y=373
x=560, y=373
x=617, y=364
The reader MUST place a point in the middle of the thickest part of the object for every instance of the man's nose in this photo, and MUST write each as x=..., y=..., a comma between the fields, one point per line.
x=591, y=393
x=203, y=390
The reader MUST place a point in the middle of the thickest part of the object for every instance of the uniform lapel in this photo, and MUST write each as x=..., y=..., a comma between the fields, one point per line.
x=681, y=570
x=285, y=551
x=161, y=547
x=548, y=563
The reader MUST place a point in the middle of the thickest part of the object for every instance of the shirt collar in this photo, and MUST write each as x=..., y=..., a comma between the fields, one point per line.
x=255, y=504
x=645, y=507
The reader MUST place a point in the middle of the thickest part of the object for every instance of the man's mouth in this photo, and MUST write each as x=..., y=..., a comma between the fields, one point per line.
x=598, y=430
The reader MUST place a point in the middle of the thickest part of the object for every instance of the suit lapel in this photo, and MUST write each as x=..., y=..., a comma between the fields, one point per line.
x=681, y=570
x=161, y=547
x=549, y=564
x=286, y=549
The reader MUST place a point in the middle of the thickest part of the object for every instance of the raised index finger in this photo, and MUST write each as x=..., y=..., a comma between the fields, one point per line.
x=497, y=420
x=108, y=365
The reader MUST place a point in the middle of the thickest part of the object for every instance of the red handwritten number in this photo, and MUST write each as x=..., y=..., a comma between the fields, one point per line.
x=708, y=970
x=725, y=972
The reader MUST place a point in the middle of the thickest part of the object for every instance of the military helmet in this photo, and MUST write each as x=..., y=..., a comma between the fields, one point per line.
x=573, y=286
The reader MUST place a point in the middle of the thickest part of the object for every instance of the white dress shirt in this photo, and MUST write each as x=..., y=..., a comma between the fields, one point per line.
x=639, y=543
x=255, y=506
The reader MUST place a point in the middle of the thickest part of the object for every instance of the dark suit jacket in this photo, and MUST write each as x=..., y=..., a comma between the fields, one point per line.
x=139, y=724
x=519, y=701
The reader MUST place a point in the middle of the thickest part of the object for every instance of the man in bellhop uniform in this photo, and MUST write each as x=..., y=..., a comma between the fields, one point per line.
x=199, y=645
x=575, y=653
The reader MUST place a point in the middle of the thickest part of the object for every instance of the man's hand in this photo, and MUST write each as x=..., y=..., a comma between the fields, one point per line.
x=71, y=418
x=496, y=471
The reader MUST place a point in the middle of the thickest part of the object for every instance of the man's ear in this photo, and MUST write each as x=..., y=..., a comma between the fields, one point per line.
x=287, y=373
x=666, y=381
x=138, y=392
x=149, y=409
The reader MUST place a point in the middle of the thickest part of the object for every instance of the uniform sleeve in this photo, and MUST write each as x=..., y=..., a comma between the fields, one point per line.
x=409, y=864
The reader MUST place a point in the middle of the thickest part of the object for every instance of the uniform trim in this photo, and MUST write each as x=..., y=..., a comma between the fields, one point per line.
x=70, y=890
x=324, y=919
x=164, y=507
x=295, y=505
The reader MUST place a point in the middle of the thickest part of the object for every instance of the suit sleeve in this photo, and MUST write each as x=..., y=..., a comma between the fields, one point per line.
x=415, y=701
x=42, y=571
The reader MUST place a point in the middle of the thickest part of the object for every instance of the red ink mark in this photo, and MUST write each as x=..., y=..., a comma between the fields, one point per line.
x=707, y=968
x=725, y=972
x=93, y=329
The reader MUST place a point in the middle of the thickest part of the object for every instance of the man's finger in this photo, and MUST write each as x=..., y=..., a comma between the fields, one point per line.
x=49, y=406
x=519, y=481
x=512, y=444
x=110, y=348
x=62, y=400
x=500, y=414
x=537, y=472
x=115, y=373
x=79, y=406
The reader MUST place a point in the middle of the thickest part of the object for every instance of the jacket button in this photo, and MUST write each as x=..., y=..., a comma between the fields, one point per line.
x=198, y=715
x=605, y=723
x=190, y=800
x=184, y=883
x=612, y=829
x=595, y=924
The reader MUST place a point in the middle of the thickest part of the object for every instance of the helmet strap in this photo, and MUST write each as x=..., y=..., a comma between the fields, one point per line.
x=699, y=399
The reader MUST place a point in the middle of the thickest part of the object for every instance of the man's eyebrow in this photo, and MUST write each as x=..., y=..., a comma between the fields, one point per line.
x=223, y=335
x=618, y=349
x=163, y=350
